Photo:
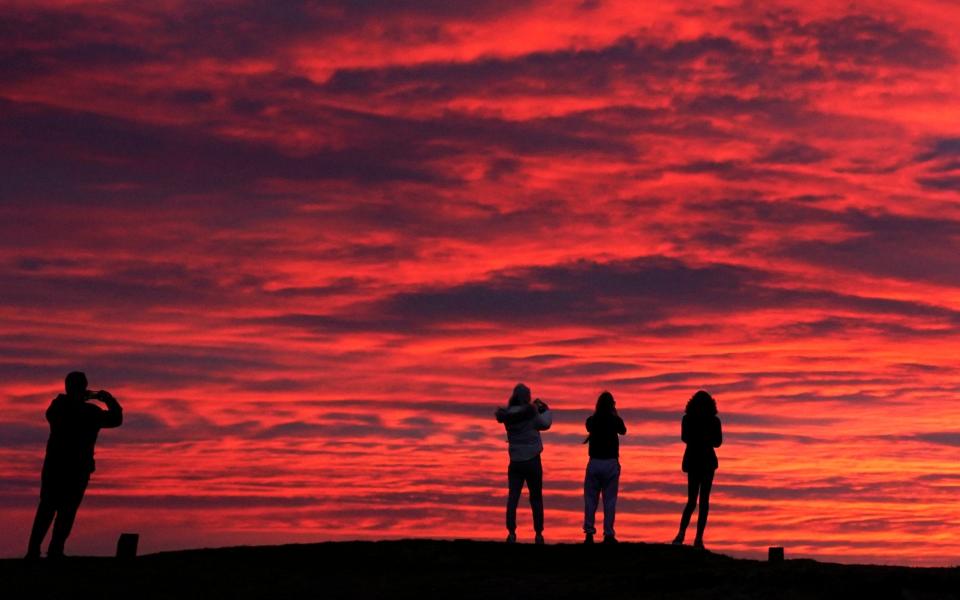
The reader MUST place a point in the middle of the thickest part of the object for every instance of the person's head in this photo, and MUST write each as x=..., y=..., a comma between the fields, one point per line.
x=520, y=396
x=75, y=383
x=702, y=404
x=605, y=404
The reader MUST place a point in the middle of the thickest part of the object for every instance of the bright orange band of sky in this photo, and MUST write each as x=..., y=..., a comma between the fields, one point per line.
x=311, y=246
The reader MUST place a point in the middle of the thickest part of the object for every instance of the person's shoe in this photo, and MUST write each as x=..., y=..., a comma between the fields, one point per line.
x=588, y=538
x=32, y=555
x=698, y=543
x=677, y=541
x=511, y=538
x=539, y=539
x=609, y=539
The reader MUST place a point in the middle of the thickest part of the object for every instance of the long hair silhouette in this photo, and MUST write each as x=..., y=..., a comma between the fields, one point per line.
x=701, y=404
x=700, y=430
x=605, y=406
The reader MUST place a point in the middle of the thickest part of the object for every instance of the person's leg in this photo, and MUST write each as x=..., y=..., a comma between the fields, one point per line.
x=66, y=514
x=611, y=482
x=41, y=524
x=535, y=488
x=514, y=486
x=706, y=484
x=591, y=497
x=51, y=493
x=693, y=488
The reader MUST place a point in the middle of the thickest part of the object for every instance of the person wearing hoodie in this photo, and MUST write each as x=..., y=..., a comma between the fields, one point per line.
x=74, y=425
x=523, y=421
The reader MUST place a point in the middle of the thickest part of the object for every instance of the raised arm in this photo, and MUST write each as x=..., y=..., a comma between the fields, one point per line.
x=113, y=416
x=543, y=420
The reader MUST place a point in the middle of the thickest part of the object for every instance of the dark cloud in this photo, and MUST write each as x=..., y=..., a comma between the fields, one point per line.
x=19, y=434
x=70, y=156
x=586, y=369
x=847, y=326
x=351, y=426
x=783, y=114
x=562, y=72
x=941, y=161
x=947, y=147
x=944, y=438
x=945, y=183
x=907, y=247
x=632, y=294
x=74, y=156
x=638, y=291
x=870, y=40
x=793, y=152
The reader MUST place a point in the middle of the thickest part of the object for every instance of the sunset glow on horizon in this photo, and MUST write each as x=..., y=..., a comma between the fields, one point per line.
x=310, y=247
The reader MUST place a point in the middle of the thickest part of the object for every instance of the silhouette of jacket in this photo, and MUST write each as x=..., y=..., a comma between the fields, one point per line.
x=605, y=431
x=702, y=433
x=524, y=424
x=74, y=425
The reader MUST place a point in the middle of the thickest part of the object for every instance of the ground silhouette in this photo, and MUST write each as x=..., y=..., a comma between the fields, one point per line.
x=464, y=569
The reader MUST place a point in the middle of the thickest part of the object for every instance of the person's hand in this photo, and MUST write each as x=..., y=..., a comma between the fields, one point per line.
x=104, y=396
x=541, y=405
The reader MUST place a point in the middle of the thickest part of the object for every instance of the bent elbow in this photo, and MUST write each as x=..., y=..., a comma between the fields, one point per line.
x=114, y=420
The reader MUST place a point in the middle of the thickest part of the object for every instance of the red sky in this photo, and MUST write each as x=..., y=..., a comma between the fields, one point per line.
x=312, y=246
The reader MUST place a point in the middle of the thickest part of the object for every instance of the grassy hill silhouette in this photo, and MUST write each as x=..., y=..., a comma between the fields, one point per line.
x=464, y=569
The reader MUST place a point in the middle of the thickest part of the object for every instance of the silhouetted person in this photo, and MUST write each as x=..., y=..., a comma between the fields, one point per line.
x=524, y=421
x=701, y=431
x=603, y=469
x=74, y=424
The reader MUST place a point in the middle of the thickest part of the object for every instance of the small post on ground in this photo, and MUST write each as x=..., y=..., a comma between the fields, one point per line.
x=775, y=554
x=127, y=545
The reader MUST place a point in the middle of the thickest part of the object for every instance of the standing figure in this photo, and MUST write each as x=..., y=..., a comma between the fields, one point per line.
x=701, y=431
x=524, y=420
x=74, y=424
x=603, y=469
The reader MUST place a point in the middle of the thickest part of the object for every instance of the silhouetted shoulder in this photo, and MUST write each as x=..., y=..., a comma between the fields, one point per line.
x=515, y=414
x=56, y=408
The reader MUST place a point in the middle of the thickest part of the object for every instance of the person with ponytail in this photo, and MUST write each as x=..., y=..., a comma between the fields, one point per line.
x=603, y=469
x=700, y=430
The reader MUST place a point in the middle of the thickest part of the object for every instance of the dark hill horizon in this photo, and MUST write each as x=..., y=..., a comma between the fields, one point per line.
x=416, y=568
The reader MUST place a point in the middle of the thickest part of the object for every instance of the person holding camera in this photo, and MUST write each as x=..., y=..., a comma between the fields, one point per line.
x=523, y=421
x=604, y=429
x=74, y=425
